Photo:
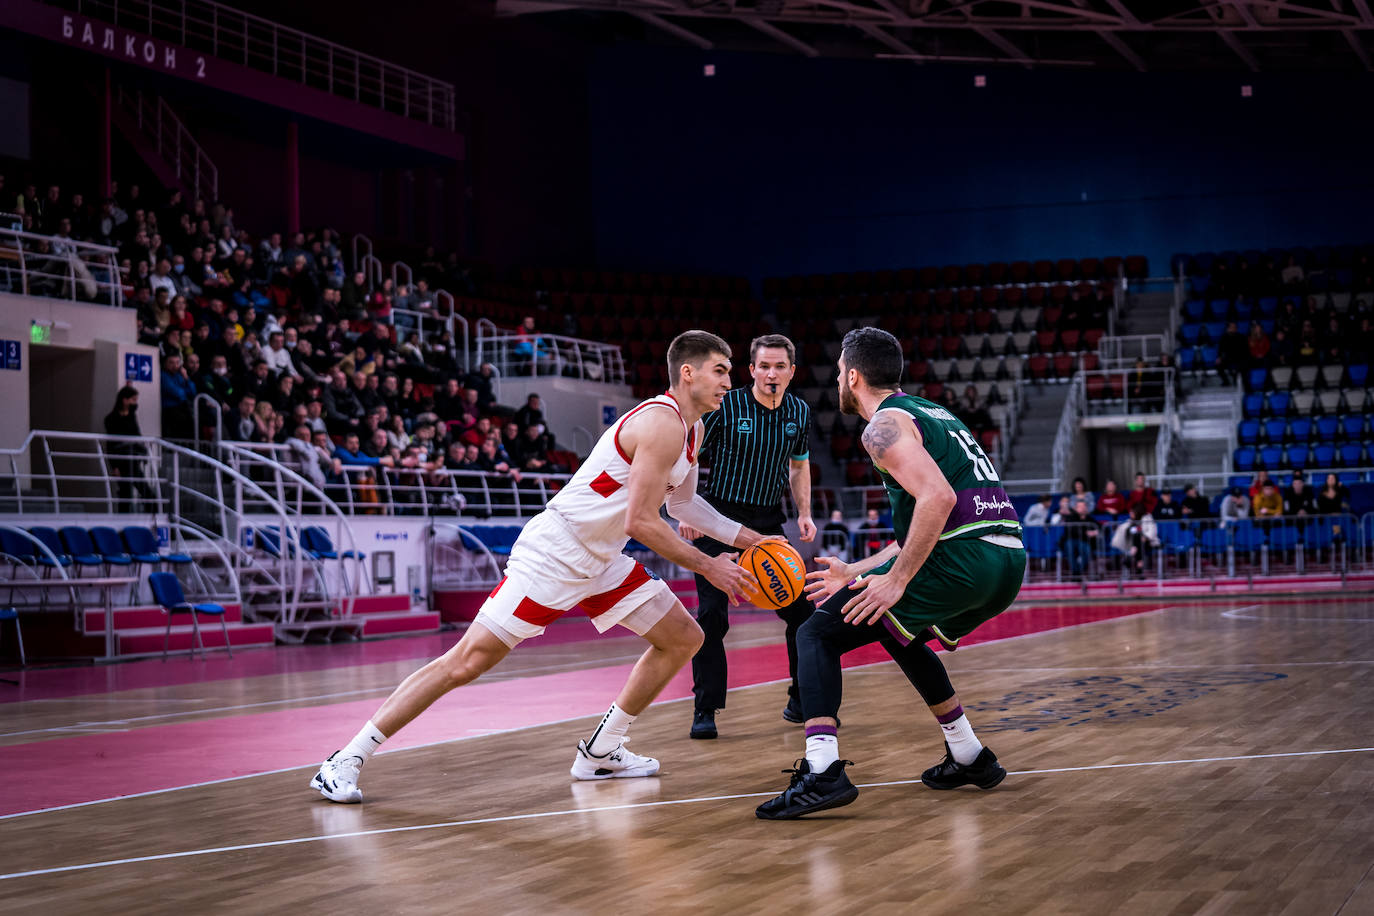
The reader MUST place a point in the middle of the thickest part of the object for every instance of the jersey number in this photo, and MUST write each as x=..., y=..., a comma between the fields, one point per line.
x=982, y=467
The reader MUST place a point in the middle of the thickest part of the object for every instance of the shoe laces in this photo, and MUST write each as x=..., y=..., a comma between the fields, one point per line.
x=350, y=765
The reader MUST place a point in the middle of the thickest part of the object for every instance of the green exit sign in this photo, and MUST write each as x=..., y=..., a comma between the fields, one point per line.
x=40, y=333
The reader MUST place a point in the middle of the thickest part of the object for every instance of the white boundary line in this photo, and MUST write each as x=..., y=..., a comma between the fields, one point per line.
x=269, y=844
x=198, y=785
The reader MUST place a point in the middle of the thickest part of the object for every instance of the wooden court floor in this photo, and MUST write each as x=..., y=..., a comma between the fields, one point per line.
x=1196, y=758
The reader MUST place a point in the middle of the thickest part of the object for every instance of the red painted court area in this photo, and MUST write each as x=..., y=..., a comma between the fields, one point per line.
x=53, y=767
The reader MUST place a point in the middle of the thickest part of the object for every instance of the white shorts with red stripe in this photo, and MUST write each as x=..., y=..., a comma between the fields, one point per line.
x=549, y=574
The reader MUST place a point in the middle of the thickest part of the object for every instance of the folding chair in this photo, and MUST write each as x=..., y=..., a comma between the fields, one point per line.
x=167, y=593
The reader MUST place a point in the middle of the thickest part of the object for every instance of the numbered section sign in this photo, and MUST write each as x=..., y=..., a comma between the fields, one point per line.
x=11, y=355
x=138, y=367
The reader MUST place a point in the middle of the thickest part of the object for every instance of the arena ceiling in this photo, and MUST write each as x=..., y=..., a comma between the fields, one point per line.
x=1144, y=35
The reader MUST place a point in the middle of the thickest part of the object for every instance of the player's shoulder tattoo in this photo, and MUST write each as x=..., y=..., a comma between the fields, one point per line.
x=880, y=435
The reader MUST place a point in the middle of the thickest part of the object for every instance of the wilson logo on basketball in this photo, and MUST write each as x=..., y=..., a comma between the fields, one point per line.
x=780, y=592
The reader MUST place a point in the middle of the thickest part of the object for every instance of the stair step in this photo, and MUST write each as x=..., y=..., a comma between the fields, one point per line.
x=148, y=640
x=128, y=618
x=404, y=622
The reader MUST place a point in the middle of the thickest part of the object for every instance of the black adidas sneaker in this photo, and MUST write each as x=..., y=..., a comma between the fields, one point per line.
x=810, y=792
x=984, y=772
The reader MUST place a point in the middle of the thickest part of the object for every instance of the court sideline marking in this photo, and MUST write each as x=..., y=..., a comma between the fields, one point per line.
x=295, y=841
x=287, y=769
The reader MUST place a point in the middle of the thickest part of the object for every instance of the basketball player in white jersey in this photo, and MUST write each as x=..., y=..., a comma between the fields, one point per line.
x=570, y=554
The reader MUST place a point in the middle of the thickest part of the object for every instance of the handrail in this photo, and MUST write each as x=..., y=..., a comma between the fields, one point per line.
x=541, y=354
x=1159, y=400
x=358, y=238
x=172, y=141
x=195, y=414
x=1067, y=431
x=1127, y=348
x=288, y=53
x=52, y=267
x=463, y=533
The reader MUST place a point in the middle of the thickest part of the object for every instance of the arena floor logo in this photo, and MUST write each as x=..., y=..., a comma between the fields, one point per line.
x=1106, y=698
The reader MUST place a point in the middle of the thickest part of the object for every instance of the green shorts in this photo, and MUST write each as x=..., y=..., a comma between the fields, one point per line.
x=963, y=583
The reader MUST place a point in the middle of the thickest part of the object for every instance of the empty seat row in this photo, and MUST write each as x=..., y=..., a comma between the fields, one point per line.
x=1300, y=456
x=1259, y=404
x=1065, y=270
x=1280, y=430
x=73, y=546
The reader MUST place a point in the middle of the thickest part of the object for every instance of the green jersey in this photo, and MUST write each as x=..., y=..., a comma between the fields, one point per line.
x=982, y=507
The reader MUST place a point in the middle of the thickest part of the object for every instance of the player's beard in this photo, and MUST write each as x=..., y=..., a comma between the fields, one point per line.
x=849, y=404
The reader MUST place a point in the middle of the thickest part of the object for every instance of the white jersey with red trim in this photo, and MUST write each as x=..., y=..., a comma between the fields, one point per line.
x=592, y=505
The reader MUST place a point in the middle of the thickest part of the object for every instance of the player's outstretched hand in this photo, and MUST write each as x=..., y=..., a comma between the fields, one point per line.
x=725, y=574
x=823, y=582
x=876, y=595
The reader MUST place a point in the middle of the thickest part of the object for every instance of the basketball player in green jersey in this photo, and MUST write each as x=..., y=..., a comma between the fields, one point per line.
x=958, y=561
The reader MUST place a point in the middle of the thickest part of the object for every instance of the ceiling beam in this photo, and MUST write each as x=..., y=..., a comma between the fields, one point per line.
x=880, y=35
x=1241, y=51
x=779, y=35
x=1362, y=8
x=1014, y=53
x=1360, y=52
x=1120, y=47
x=673, y=29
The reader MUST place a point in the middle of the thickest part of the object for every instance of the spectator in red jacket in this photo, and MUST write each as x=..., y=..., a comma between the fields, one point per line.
x=1112, y=501
x=1142, y=495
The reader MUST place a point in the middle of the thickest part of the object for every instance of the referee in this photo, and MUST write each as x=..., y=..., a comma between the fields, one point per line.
x=754, y=443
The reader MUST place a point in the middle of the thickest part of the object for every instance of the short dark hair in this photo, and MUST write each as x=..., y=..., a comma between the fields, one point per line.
x=875, y=355
x=771, y=340
x=693, y=347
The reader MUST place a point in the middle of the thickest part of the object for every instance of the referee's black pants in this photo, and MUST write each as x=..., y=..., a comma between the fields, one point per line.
x=709, y=665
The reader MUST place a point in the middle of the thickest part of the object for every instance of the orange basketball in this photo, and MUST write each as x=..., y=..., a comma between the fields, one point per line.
x=778, y=572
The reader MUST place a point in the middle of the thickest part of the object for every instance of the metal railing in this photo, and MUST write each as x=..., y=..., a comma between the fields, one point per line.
x=1122, y=352
x=287, y=53
x=458, y=558
x=159, y=123
x=1206, y=548
x=1067, y=432
x=516, y=354
x=1115, y=391
x=368, y=490
x=53, y=267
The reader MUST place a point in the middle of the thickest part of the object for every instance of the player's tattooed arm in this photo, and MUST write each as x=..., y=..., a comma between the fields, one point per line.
x=880, y=435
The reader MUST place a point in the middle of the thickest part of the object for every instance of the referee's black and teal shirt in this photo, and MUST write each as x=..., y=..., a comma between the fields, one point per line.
x=748, y=447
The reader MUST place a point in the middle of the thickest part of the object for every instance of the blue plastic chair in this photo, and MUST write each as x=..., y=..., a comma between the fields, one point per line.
x=79, y=546
x=142, y=544
x=48, y=538
x=1271, y=457
x=1195, y=310
x=1244, y=459
x=1352, y=426
x=1296, y=455
x=1248, y=431
x=1218, y=309
x=1283, y=538
x=1190, y=334
x=1247, y=537
x=9, y=613
x=1279, y=402
x=1323, y=455
x=1207, y=355
x=18, y=547
x=1327, y=427
x=1275, y=429
x=1186, y=358
x=167, y=593
x=1300, y=429
x=1214, y=330
x=1214, y=541
x=1257, y=379
x=1358, y=374
x=1352, y=454
x=1253, y=404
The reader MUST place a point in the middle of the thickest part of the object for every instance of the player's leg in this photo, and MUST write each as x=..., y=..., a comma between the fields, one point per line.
x=819, y=781
x=793, y=616
x=646, y=606
x=709, y=663
x=477, y=652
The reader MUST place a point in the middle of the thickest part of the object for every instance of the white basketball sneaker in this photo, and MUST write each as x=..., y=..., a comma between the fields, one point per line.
x=337, y=779
x=618, y=764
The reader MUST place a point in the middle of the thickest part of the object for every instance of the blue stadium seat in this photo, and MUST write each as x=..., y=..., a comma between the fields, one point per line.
x=1268, y=325
x=1207, y=356
x=1327, y=427
x=1352, y=454
x=1268, y=306
x=1300, y=429
x=1248, y=431
x=1174, y=538
x=1214, y=330
x=1323, y=455
x=1358, y=374
x=1257, y=379
x=1283, y=538
x=1297, y=456
x=1247, y=537
x=77, y=540
x=1279, y=402
x=1243, y=459
x=1271, y=457
x=1042, y=543
x=1317, y=535
x=1195, y=309
x=1186, y=358
x=1275, y=429
x=1241, y=310
x=1254, y=404
x=1190, y=333
x=1214, y=541
x=50, y=540
x=1353, y=426
x=1237, y=480
x=1218, y=309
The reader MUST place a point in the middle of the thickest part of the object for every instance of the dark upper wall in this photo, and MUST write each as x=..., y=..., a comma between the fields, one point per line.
x=784, y=165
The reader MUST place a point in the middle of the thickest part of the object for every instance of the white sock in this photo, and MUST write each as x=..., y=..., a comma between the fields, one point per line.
x=963, y=744
x=365, y=742
x=821, y=751
x=610, y=732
